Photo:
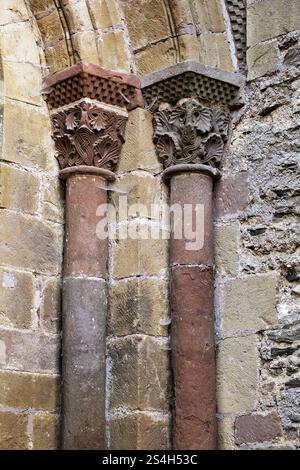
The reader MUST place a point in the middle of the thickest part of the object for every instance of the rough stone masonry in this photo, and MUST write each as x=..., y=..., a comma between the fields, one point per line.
x=257, y=281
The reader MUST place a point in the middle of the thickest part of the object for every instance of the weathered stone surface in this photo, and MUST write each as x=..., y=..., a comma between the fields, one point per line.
x=152, y=24
x=153, y=432
x=23, y=82
x=193, y=358
x=156, y=57
x=262, y=59
x=13, y=431
x=114, y=52
x=289, y=407
x=196, y=247
x=41, y=6
x=256, y=308
x=286, y=335
x=138, y=189
x=85, y=253
x=226, y=434
x=30, y=243
x=292, y=57
x=265, y=240
x=237, y=375
x=18, y=43
x=123, y=432
x=22, y=390
x=16, y=298
x=52, y=200
x=226, y=246
x=12, y=10
x=257, y=428
x=106, y=13
x=83, y=365
x=57, y=56
x=208, y=16
x=2, y=352
x=50, y=27
x=31, y=146
x=50, y=309
x=85, y=46
x=138, y=152
x=133, y=257
x=215, y=52
x=266, y=446
x=231, y=195
x=18, y=189
x=182, y=16
x=145, y=360
x=139, y=431
x=78, y=17
x=45, y=433
x=188, y=46
x=138, y=306
x=270, y=18
x=30, y=351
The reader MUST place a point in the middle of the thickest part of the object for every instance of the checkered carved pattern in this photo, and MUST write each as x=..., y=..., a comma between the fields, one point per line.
x=190, y=84
x=85, y=85
x=237, y=13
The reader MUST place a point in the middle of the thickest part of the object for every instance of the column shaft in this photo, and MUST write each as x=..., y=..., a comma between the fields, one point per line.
x=84, y=316
x=193, y=358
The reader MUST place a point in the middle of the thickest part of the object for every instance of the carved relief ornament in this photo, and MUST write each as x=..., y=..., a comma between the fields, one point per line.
x=87, y=134
x=190, y=133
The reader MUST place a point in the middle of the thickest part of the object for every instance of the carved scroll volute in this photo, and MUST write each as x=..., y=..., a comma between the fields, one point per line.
x=190, y=133
x=87, y=134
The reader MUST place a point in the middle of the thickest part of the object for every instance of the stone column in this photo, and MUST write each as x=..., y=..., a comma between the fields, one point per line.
x=189, y=141
x=89, y=113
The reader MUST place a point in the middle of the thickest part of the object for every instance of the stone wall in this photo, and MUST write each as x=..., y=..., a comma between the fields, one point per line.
x=31, y=220
x=257, y=270
x=257, y=237
x=138, y=388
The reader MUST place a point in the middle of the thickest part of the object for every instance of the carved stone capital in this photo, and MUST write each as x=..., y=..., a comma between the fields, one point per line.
x=89, y=106
x=190, y=133
x=85, y=80
x=87, y=133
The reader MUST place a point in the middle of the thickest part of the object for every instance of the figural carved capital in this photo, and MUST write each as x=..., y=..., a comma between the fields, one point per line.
x=89, y=108
x=88, y=134
x=190, y=133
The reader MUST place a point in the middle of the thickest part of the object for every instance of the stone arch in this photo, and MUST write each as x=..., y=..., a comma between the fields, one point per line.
x=127, y=35
x=79, y=30
x=164, y=32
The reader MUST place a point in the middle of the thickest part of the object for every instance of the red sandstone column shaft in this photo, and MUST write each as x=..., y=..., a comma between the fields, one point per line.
x=88, y=107
x=193, y=358
x=189, y=140
x=84, y=315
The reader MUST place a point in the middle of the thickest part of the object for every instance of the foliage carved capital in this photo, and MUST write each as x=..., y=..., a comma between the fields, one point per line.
x=190, y=133
x=88, y=134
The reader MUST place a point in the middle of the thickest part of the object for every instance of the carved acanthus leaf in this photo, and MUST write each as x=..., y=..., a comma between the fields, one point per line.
x=190, y=133
x=85, y=134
